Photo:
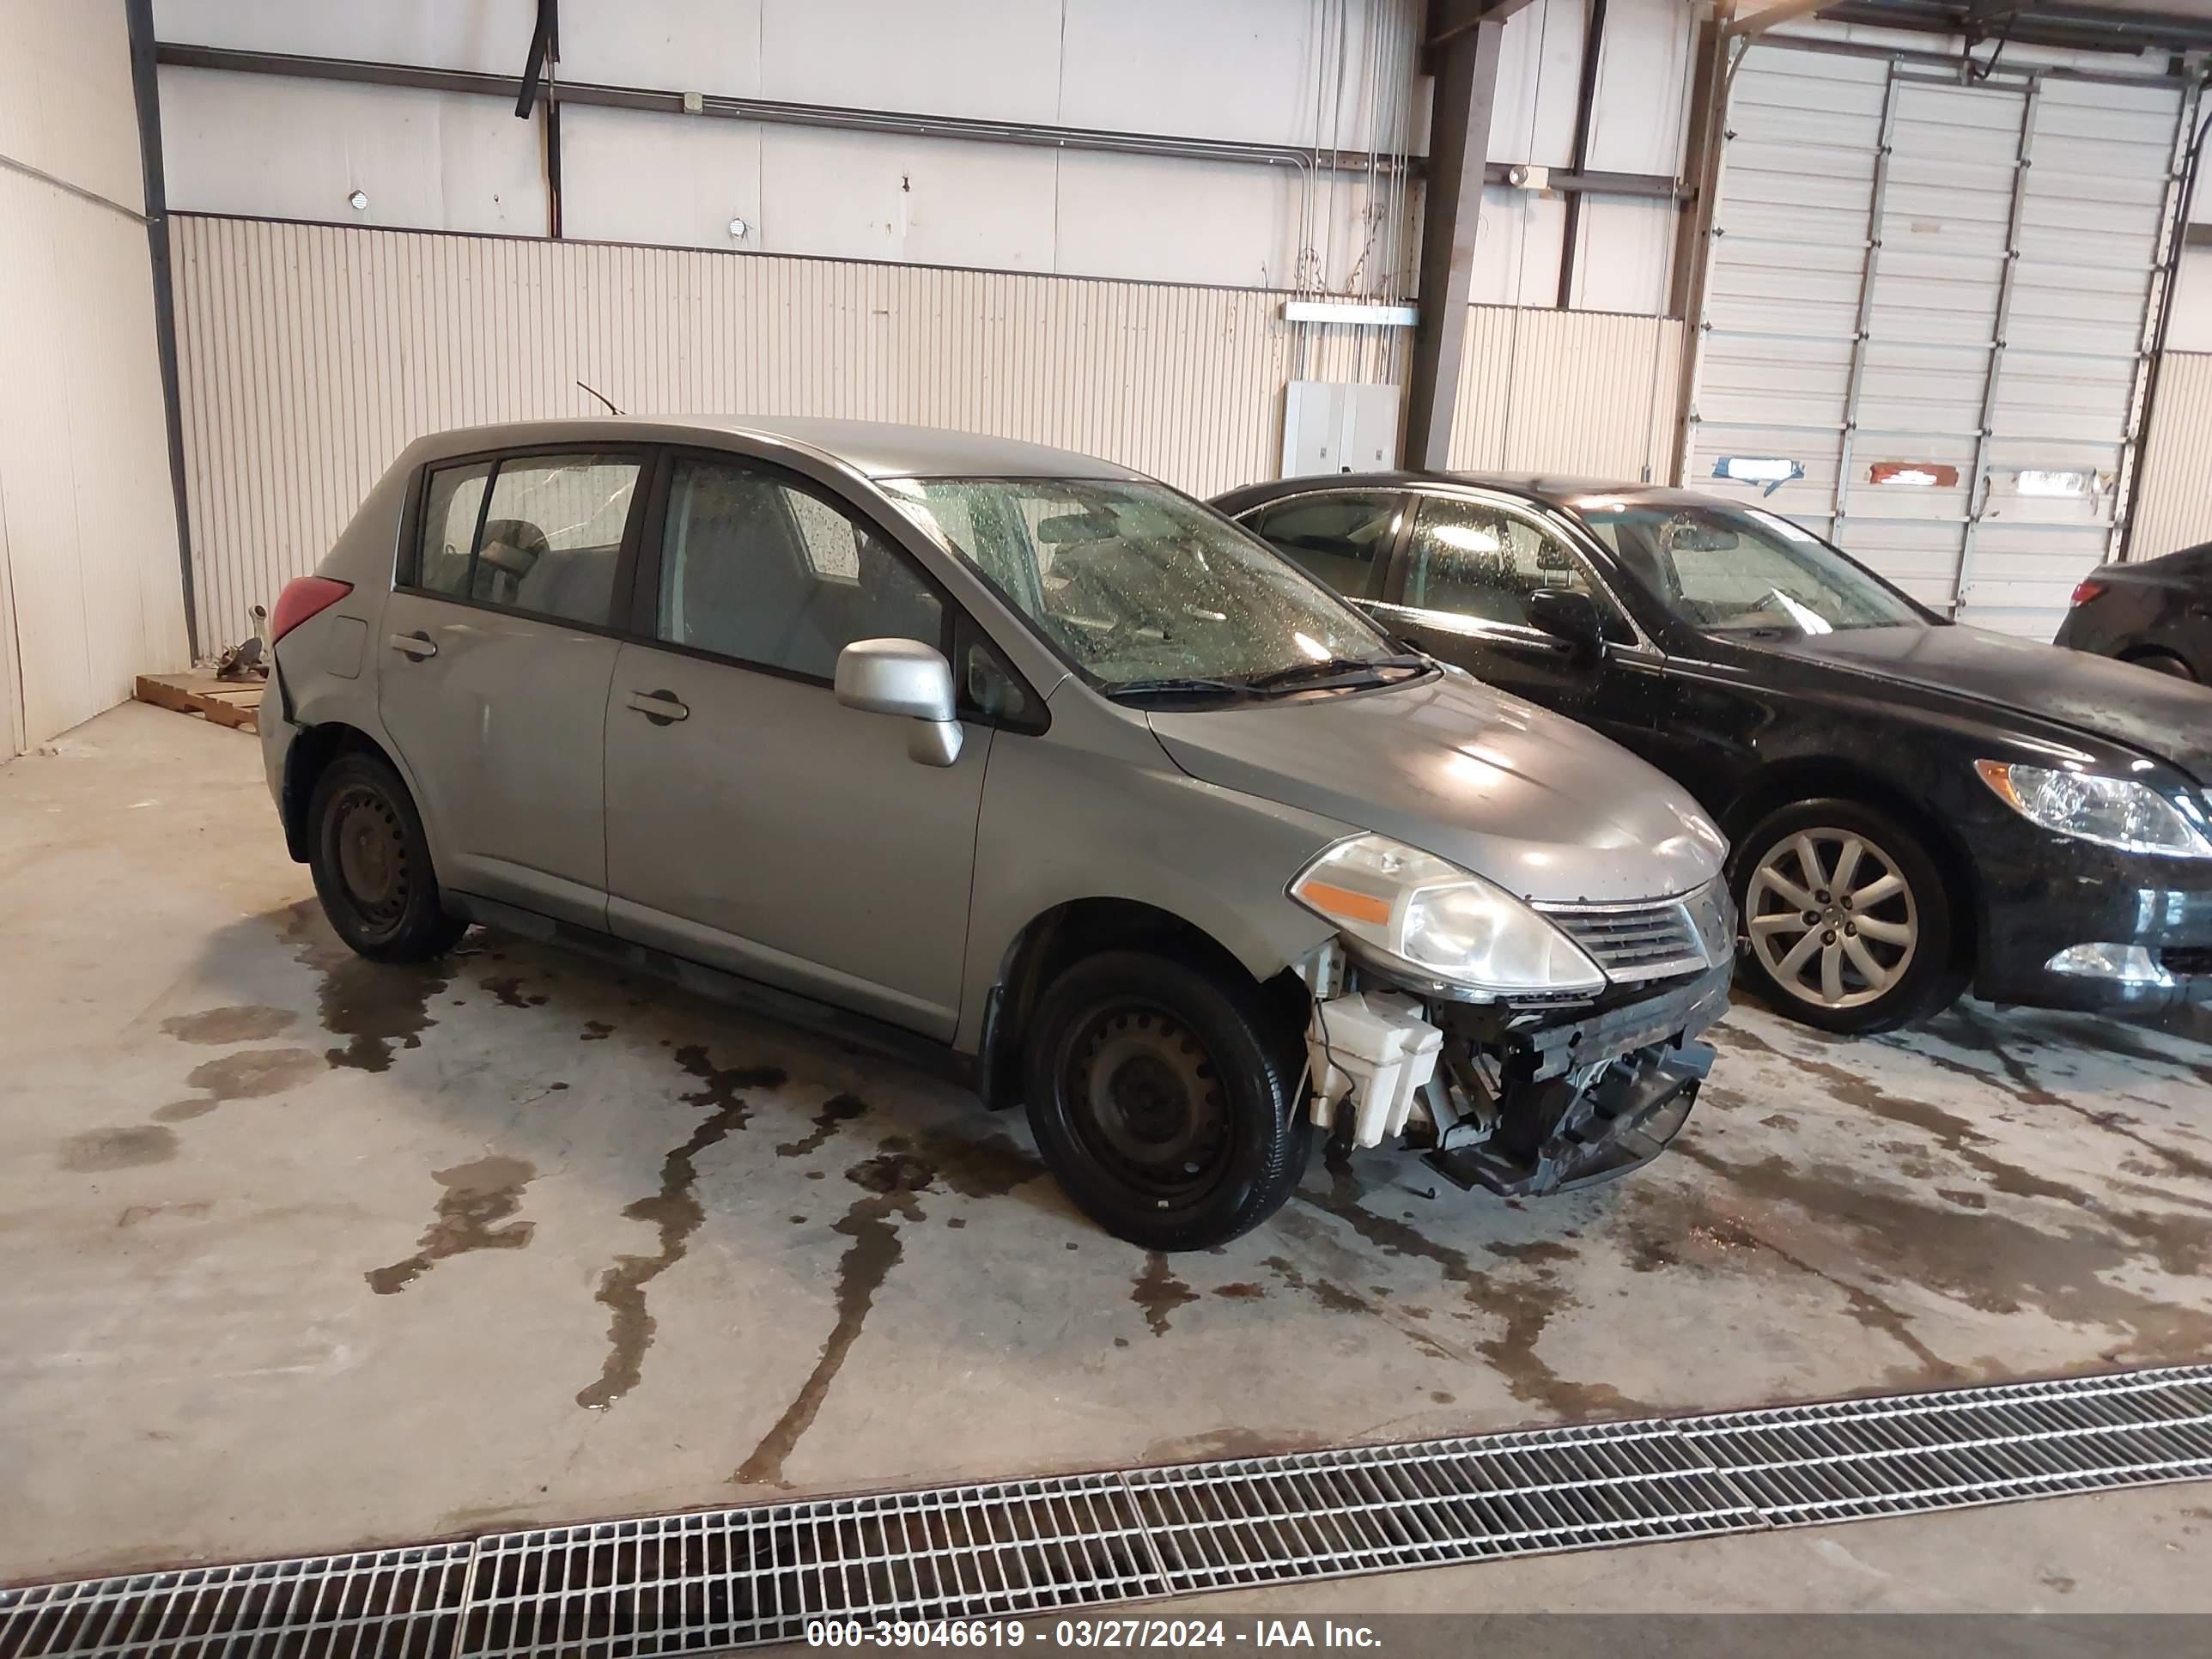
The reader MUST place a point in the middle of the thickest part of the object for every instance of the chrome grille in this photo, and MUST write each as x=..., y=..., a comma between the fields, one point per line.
x=1633, y=942
x=719, y=1579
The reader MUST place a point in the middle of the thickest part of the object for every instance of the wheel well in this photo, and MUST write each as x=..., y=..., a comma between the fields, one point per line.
x=309, y=758
x=2142, y=653
x=1067, y=934
x=1793, y=780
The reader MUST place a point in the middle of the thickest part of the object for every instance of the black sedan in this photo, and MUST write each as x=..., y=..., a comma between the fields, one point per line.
x=2158, y=613
x=1916, y=807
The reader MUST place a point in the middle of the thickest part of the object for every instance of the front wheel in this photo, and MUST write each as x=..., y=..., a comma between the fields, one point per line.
x=1161, y=1100
x=1847, y=919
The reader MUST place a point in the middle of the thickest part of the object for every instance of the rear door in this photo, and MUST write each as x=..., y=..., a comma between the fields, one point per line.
x=755, y=823
x=1342, y=537
x=497, y=651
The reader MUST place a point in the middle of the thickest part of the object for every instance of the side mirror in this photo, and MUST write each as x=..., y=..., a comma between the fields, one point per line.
x=909, y=678
x=1567, y=615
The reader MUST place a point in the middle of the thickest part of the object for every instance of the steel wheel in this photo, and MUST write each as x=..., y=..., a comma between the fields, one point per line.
x=371, y=863
x=1149, y=1105
x=1832, y=917
x=371, y=854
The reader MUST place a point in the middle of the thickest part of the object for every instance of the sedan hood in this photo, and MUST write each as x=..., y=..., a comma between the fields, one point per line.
x=2152, y=713
x=1548, y=810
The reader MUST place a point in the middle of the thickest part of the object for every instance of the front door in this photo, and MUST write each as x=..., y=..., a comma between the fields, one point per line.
x=1460, y=589
x=493, y=666
x=755, y=823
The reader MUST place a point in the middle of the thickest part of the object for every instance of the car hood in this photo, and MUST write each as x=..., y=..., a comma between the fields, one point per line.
x=2154, y=713
x=1546, y=809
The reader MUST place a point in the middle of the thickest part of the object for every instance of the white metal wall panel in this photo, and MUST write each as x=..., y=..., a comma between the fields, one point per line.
x=2174, y=508
x=1920, y=292
x=311, y=355
x=1579, y=394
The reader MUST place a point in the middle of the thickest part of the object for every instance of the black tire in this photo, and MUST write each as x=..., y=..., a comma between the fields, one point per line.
x=2164, y=662
x=1165, y=1100
x=1929, y=972
x=371, y=863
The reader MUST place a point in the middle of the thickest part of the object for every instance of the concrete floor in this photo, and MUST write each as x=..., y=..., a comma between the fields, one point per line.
x=298, y=1253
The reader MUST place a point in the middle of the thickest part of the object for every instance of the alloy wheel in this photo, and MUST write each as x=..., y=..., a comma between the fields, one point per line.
x=1832, y=918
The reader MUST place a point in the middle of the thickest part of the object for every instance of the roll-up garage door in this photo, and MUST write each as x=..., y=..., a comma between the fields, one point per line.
x=1926, y=314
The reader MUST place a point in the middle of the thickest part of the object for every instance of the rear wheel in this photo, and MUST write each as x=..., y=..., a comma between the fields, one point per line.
x=1162, y=1101
x=371, y=863
x=1846, y=916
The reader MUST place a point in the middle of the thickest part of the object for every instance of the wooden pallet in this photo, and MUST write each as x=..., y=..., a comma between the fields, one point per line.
x=226, y=703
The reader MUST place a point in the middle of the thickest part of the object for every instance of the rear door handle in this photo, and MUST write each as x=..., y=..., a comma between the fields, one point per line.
x=661, y=708
x=418, y=645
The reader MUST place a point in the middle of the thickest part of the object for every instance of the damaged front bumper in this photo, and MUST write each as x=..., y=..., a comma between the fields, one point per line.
x=1524, y=1099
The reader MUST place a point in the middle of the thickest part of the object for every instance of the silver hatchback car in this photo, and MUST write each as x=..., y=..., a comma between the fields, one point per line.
x=1009, y=760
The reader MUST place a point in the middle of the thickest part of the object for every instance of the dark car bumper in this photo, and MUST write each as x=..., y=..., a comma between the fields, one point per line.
x=2043, y=894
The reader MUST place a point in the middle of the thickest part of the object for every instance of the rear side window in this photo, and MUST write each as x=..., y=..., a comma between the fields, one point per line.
x=453, y=506
x=1475, y=561
x=1335, y=539
x=756, y=570
x=547, y=540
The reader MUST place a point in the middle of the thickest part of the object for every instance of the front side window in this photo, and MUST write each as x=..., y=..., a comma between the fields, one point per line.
x=1145, y=591
x=1335, y=538
x=1473, y=560
x=547, y=541
x=754, y=569
x=1741, y=570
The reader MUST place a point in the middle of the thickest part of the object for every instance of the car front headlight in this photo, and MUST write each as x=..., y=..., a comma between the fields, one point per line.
x=1440, y=922
x=2112, y=811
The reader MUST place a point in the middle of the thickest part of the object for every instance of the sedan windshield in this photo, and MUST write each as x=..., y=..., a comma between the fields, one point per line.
x=1148, y=594
x=1743, y=570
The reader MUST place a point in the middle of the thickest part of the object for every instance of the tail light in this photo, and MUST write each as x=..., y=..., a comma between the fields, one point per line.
x=2086, y=589
x=303, y=596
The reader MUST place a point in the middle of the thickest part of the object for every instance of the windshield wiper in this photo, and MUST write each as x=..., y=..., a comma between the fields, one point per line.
x=1333, y=670
x=1179, y=685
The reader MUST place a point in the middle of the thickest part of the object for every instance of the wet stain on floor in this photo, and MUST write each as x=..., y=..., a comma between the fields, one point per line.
x=372, y=1005
x=124, y=1148
x=1524, y=1292
x=248, y=1023
x=835, y=1110
x=675, y=1213
x=507, y=988
x=479, y=1197
x=250, y=1074
x=891, y=1181
x=1217, y=1444
x=1158, y=1291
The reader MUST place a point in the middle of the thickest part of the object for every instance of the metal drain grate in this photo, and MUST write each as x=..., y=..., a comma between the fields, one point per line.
x=694, y=1584
x=1803, y=1464
x=1325, y=1513
x=703, y=1583
x=391, y=1604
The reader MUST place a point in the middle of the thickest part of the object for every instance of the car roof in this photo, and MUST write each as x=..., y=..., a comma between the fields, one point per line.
x=1556, y=490
x=876, y=449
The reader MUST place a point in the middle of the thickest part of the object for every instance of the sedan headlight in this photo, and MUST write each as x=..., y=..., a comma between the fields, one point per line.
x=1440, y=922
x=2112, y=811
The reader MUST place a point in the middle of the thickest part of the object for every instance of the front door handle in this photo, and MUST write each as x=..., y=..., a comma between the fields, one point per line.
x=418, y=645
x=661, y=708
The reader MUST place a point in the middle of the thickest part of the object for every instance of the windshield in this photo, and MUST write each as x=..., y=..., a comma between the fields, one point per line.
x=1148, y=592
x=1743, y=570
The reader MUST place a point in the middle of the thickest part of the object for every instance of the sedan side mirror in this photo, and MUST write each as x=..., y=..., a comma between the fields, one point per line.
x=906, y=678
x=1567, y=615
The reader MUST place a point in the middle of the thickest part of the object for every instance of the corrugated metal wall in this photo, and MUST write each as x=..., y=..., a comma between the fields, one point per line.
x=1934, y=300
x=2174, y=508
x=312, y=354
x=90, y=593
x=1570, y=393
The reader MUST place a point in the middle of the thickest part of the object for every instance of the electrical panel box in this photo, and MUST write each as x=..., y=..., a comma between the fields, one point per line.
x=1337, y=426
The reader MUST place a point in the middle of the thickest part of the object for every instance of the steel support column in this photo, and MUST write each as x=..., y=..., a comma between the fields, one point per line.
x=1465, y=88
